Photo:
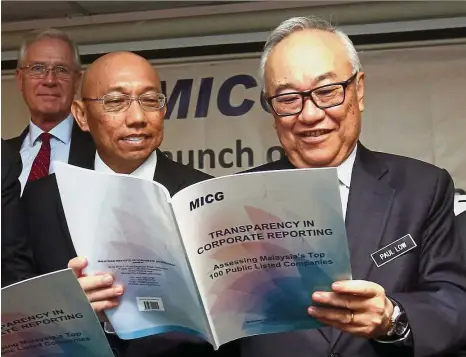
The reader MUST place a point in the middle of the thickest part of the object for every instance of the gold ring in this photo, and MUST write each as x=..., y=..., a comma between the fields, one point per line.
x=351, y=318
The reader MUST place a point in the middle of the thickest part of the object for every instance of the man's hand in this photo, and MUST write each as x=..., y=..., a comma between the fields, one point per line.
x=355, y=306
x=99, y=288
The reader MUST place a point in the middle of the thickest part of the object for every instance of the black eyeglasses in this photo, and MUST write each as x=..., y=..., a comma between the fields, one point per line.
x=40, y=70
x=324, y=97
x=119, y=102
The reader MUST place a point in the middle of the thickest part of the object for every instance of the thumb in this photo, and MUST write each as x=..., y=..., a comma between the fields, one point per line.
x=77, y=265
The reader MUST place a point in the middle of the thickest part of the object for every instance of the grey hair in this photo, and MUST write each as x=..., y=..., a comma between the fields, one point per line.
x=294, y=24
x=49, y=33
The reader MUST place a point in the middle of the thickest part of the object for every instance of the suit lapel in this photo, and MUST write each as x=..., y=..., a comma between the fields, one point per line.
x=86, y=161
x=17, y=142
x=64, y=226
x=167, y=175
x=55, y=195
x=82, y=149
x=161, y=175
x=369, y=203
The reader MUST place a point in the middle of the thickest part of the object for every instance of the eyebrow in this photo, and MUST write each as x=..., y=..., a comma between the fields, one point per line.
x=123, y=89
x=62, y=64
x=320, y=78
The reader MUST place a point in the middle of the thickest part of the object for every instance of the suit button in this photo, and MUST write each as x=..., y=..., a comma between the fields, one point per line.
x=335, y=355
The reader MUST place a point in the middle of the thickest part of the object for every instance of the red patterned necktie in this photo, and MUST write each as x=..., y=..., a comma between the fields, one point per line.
x=41, y=164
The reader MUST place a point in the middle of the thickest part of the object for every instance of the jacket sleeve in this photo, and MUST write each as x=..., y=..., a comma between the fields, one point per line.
x=17, y=261
x=436, y=311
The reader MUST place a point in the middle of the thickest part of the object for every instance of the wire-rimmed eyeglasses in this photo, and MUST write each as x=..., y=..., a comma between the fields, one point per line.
x=40, y=70
x=121, y=102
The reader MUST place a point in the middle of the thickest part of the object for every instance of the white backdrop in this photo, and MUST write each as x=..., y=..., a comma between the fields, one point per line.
x=414, y=107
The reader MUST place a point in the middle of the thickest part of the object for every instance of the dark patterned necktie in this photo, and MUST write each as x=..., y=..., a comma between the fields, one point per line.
x=41, y=164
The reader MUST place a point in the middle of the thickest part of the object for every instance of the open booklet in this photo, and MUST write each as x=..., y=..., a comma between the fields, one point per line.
x=225, y=258
x=49, y=315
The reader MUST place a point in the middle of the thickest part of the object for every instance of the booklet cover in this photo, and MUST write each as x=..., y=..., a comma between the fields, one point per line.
x=223, y=259
x=50, y=316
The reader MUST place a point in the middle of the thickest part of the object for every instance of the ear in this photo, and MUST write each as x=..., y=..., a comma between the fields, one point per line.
x=360, y=90
x=19, y=79
x=79, y=114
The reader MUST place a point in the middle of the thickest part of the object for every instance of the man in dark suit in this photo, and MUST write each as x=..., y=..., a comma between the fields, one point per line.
x=48, y=75
x=16, y=253
x=123, y=108
x=412, y=304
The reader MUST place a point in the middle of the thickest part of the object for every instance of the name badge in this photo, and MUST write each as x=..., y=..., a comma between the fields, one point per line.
x=393, y=250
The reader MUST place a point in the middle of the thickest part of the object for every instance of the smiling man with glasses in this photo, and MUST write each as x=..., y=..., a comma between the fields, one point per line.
x=122, y=106
x=48, y=74
x=123, y=111
x=413, y=304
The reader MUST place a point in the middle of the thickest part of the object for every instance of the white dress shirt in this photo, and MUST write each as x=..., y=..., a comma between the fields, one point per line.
x=145, y=171
x=344, y=172
x=60, y=143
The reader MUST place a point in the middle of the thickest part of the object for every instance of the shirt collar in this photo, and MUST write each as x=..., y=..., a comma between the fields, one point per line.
x=346, y=168
x=62, y=131
x=145, y=171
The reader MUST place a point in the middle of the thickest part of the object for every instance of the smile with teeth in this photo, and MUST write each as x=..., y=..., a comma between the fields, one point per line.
x=315, y=133
x=134, y=139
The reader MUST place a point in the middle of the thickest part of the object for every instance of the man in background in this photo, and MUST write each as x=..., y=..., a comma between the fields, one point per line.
x=17, y=262
x=410, y=305
x=123, y=108
x=48, y=75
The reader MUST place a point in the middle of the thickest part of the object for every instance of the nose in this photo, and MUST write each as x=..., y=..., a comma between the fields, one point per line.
x=135, y=115
x=49, y=79
x=311, y=113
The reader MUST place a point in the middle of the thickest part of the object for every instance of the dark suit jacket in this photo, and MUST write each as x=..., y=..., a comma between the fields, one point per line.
x=461, y=230
x=81, y=147
x=391, y=196
x=53, y=249
x=16, y=253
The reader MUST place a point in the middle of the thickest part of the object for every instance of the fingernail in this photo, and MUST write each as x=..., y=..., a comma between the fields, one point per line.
x=119, y=290
x=311, y=310
x=318, y=295
x=108, y=279
x=337, y=285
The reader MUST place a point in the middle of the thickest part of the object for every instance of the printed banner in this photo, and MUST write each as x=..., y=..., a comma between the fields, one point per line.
x=217, y=122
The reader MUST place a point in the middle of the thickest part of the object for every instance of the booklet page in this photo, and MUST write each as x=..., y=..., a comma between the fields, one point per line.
x=125, y=225
x=264, y=243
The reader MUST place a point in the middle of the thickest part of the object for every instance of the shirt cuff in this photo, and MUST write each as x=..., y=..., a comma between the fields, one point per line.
x=108, y=328
x=392, y=340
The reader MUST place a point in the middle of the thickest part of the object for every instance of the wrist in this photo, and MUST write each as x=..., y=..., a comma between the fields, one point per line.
x=398, y=328
x=388, y=321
